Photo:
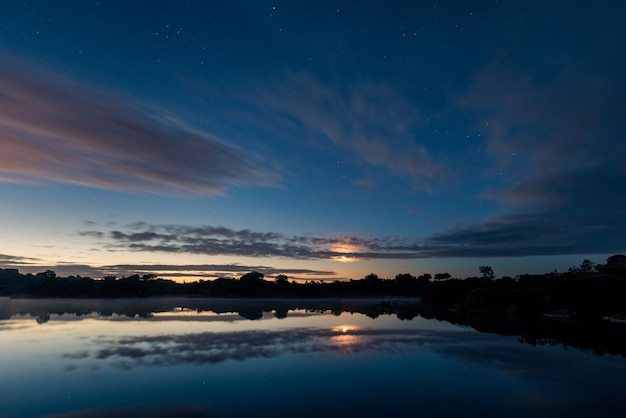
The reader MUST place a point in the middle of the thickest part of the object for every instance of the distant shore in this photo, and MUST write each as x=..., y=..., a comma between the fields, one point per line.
x=588, y=291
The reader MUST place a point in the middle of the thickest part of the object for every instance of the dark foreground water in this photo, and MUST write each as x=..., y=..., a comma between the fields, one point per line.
x=196, y=358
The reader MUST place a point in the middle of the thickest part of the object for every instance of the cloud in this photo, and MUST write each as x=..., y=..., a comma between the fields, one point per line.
x=209, y=270
x=231, y=268
x=537, y=233
x=555, y=136
x=539, y=129
x=212, y=240
x=28, y=265
x=55, y=129
x=368, y=120
x=11, y=260
x=92, y=234
x=503, y=235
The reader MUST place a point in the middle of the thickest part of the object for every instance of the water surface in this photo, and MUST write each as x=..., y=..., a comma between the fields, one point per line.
x=207, y=357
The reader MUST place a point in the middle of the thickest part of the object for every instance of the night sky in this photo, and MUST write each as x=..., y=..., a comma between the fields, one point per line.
x=321, y=140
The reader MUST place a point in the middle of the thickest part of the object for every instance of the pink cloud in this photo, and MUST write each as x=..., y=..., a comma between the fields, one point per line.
x=53, y=129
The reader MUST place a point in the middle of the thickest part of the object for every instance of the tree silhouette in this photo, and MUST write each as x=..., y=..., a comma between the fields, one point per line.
x=405, y=279
x=372, y=277
x=282, y=280
x=587, y=266
x=615, y=264
x=251, y=279
x=424, y=278
x=487, y=272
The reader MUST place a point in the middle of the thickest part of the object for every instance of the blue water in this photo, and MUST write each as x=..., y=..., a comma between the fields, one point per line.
x=310, y=364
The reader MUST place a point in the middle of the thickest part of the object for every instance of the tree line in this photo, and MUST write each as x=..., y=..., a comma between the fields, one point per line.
x=586, y=290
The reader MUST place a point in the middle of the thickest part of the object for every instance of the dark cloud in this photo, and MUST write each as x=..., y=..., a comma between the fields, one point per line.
x=220, y=267
x=212, y=240
x=547, y=231
x=93, y=234
x=140, y=237
x=11, y=260
x=540, y=233
x=26, y=265
x=208, y=270
x=54, y=129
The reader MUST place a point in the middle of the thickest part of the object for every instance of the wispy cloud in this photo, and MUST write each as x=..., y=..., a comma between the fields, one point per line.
x=539, y=130
x=558, y=144
x=11, y=260
x=55, y=129
x=369, y=121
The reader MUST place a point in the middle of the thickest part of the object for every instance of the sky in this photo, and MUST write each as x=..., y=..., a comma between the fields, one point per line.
x=322, y=140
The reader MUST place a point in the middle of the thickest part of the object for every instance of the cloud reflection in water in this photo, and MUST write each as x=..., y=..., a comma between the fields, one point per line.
x=473, y=350
x=211, y=347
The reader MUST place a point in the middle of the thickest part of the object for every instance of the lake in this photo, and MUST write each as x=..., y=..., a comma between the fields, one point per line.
x=285, y=358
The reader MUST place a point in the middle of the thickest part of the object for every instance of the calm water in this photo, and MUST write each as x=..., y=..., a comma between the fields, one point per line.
x=188, y=358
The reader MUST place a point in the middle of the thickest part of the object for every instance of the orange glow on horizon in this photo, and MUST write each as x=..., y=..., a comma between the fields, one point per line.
x=344, y=259
x=346, y=250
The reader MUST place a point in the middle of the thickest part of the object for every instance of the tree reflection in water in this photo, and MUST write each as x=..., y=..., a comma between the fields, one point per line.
x=204, y=352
